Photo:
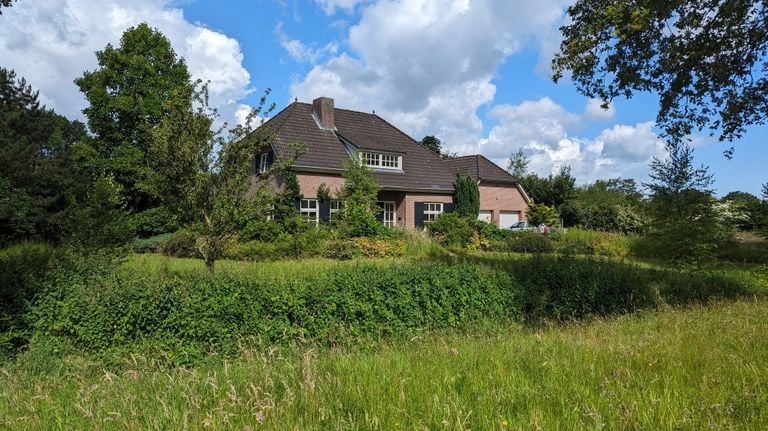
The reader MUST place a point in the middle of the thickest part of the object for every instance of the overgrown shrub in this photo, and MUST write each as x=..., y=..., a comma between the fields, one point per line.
x=254, y=251
x=364, y=247
x=153, y=244
x=192, y=314
x=261, y=230
x=181, y=243
x=530, y=242
x=154, y=221
x=452, y=230
x=309, y=243
x=589, y=242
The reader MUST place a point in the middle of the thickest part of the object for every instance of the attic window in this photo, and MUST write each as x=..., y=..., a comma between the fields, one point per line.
x=382, y=161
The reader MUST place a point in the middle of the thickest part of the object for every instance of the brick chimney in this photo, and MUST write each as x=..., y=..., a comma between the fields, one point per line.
x=322, y=108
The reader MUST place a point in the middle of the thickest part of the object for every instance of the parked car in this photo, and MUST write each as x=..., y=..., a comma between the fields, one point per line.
x=521, y=226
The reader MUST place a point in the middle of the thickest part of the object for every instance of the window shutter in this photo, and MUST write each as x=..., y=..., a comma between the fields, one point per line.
x=298, y=204
x=418, y=214
x=448, y=208
x=380, y=213
x=325, y=210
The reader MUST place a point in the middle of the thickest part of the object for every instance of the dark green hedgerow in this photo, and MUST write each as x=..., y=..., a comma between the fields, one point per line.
x=197, y=313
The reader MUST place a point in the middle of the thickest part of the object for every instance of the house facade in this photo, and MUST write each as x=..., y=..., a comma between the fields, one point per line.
x=417, y=185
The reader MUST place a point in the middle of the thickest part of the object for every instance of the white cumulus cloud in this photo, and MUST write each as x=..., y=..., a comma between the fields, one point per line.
x=429, y=65
x=51, y=43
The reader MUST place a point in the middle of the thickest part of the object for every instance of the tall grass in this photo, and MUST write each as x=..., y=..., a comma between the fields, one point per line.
x=700, y=368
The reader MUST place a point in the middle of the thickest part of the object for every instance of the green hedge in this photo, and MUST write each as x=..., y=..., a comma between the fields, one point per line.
x=195, y=313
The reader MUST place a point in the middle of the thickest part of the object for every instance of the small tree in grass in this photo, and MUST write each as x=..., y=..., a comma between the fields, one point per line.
x=541, y=213
x=360, y=194
x=686, y=225
x=467, y=198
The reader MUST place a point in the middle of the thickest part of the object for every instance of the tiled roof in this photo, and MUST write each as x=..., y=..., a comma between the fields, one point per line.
x=479, y=168
x=325, y=149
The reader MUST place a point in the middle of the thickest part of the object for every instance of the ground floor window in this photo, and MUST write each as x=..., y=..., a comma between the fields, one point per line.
x=335, y=211
x=309, y=211
x=388, y=213
x=432, y=210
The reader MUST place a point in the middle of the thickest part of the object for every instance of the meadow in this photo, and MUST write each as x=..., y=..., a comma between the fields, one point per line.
x=483, y=340
x=701, y=367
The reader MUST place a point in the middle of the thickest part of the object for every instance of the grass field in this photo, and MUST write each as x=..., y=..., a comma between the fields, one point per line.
x=704, y=367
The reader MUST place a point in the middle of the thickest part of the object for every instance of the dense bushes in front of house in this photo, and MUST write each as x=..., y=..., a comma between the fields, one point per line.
x=188, y=314
x=196, y=313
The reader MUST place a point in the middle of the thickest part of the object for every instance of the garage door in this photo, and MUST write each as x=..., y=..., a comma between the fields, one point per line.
x=508, y=218
x=484, y=216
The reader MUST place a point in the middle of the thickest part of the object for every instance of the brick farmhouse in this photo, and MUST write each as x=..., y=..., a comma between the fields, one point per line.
x=416, y=184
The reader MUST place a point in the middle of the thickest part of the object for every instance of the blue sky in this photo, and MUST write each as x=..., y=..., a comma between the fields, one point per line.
x=473, y=73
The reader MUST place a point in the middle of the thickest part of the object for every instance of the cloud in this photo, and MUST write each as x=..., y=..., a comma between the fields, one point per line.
x=429, y=65
x=543, y=129
x=594, y=110
x=330, y=6
x=51, y=43
x=299, y=51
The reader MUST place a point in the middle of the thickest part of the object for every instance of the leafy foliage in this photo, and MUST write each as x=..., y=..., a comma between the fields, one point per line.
x=39, y=186
x=518, y=164
x=530, y=242
x=129, y=96
x=467, y=197
x=359, y=194
x=541, y=214
x=686, y=226
x=675, y=49
x=453, y=230
x=436, y=146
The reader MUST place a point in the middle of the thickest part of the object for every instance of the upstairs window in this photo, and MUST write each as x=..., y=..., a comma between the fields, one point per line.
x=381, y=161
x=263, y=163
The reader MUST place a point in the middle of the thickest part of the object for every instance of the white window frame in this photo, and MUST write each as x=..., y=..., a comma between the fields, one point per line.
x=432, y=210
x=263, y=163
x=388, y=217
x=375, y=160
x=335, y=209
x=310, y=211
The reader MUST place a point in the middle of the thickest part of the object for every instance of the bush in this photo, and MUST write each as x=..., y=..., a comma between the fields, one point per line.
x=154, y=221
x=589, y=242
x=261, y=230
x=189, y=315
x=309, y=243
x=254, y=251
x=181, y=243
x=530, y=242
x=452, y=230
x=153, y=244
x=365, y=247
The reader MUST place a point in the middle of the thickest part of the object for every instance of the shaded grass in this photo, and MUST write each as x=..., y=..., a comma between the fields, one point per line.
x=701, y=368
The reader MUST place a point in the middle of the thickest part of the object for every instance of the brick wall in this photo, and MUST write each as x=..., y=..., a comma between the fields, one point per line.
x=310, y=181
x=408, y=205
x=497, y=197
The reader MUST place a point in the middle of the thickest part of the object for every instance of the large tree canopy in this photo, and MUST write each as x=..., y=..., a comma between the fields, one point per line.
x=126, y=96
x=706, y=59
x=37, y=185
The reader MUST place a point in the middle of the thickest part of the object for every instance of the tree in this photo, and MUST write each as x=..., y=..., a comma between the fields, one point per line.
x=765, y=191
x=436, y=146
x=467, y=197
x=222, y=190
x=518, y=164
x=541, y=213
x=612, y=205
x=39, y=183
x=706, y=59
x=360, y=195
x=686, y=223
x=127, y=98
x=5, y=3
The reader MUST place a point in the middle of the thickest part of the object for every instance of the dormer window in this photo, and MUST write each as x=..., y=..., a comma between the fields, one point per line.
x=381, y=160
x=263, y=163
